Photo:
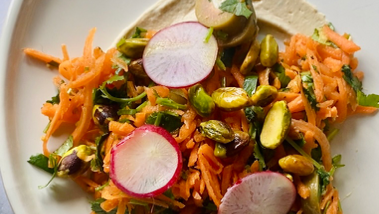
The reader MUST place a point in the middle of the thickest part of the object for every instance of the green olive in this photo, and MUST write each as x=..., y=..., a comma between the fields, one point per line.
x=238, y=29
x=201, y=101
x=311, y=205
x=103, y=114
x=251, y=58
x=264, y=95
x=276, y=125
x=217, y=131
x=132, y=47
x=75, y=161
x=231, y=98
x=269, y=51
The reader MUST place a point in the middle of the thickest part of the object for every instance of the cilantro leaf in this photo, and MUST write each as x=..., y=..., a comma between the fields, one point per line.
x=280, y=72
x=352, y=80
x=114, y=78
x=236, y=7
x=356, y=84
x=97, y=162
x=55, y=99
x=170, y=103
x=168, y=120
x=308, y=88
x=65, y=146
x=53, y=160
x=250, y=84
x=138, y=33
x=41, y=161
x=258, y=155
x=368, y=100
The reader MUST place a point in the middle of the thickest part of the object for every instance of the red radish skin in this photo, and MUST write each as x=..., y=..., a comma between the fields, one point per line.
x=259, y=193
x=146, y=163
x=178, y=56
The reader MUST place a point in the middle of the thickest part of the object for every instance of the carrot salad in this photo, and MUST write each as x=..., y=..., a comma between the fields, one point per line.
x=316, y=77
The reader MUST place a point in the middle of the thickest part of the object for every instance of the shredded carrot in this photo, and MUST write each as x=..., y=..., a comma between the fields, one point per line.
x=42, y=56
x=346, y=45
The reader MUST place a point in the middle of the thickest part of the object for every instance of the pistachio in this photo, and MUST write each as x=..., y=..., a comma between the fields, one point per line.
x=178, y=96
x=132, y=47
x=264, y=95
x=220, y=150
x=231, y=98
x=103, y=114
x=201, y=101
x=269, y=51
x=136, y=68
x=217, y=131
x=311, y=204
x=276, y=125
x=251, y=58
x=296, y=164
x=240, y=141
x=75, y=161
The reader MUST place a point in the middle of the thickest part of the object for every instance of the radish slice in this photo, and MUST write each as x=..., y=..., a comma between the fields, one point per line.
x=146, y=162
x=259, y=193
x=178, y=56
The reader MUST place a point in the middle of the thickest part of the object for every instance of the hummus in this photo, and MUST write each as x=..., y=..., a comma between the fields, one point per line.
x=280, y=18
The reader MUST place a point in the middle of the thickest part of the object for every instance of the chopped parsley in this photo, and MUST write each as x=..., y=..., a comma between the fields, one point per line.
x=237, y=7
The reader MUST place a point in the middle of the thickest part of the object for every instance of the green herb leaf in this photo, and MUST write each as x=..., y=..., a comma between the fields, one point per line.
x=258, y=155
x=308, y=88
x=127, y=112
x=352, y=80
x=368, y=100
x=55, y=99
x=220, y=64
x=356, y=84
x=41, y=161
x=236, y=7
x=280, y=72
x=209, y=34
x=114, y=78
x=170, y=103
x=65, y=146
x=53, y=159
x=320, y=37
x=97, y=162
x=138, y=33
x=168, y=120
x=250, y=84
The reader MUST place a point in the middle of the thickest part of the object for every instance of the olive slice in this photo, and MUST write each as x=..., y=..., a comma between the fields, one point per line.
x=239, y=29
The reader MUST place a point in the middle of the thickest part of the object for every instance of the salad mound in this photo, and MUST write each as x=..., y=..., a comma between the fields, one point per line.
x=248, y=126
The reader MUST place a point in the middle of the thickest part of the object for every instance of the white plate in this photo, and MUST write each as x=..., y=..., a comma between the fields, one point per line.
x=26, y=84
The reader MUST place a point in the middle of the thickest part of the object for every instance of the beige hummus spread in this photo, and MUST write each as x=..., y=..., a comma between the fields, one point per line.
x=280, y=18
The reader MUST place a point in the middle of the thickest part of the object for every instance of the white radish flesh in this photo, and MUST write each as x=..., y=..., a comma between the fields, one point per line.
x=178, y=56
x=259, y=193
x=146, y=163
